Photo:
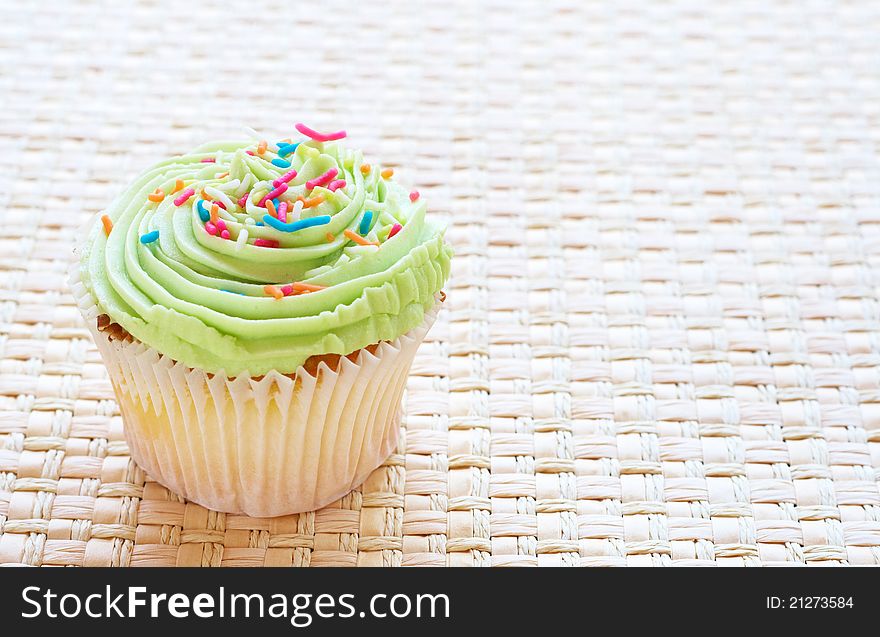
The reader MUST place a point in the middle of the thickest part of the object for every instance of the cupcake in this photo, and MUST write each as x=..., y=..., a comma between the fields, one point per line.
x=258, y=306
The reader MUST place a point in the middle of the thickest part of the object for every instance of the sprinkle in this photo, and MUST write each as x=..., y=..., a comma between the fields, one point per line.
x=319, y=137
x=283, y=179
x=395, y=229
x=186, y=194
x=387, y=173
x=250, y=152
x=178, y=185
x=285, y=149
x=108, y=225
x=244, y=199
x=272, y=194
x=287, y=289
x=203, y=213
x=270, y=206
x=295, y=225
x=224, y=234
x=358, y=239
x=232, y=292
x=241, y=239
x=261, y=147
x=365, y=169
x=266, y=243
x=149, y=237
x=221, y=175
x=281, y=163
x=330, y=237
x=414, y=196
x=296, y=212
x=157, y=195
x=211, y=229
x=311, y=203
x=336, y=184
x=221, y=204
x=307, y=287
x=323, y=179
x=208, y=160
x=272, y=290
x=282, y=212
x=221, y=225
x=366, y=220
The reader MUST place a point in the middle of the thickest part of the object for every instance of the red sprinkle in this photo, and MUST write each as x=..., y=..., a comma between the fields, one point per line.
x=267, y=243
x=287, y=289
x=319, y=137
x=250, y=152
x=280, y=190
x=186, y=194
x=209, y=160
x=221, y=204
x=211, y=228
x=283, y=179
x=242, y=201
x=221, y=225
x=414, y=196
x=334, y=185
x=323, y=179
x=224, y=234
x=395, y=229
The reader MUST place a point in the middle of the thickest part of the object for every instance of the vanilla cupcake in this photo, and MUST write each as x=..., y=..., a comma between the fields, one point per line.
x=258, y=306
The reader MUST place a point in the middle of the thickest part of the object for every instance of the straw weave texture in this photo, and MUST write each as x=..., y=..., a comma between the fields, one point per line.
x=661, y=344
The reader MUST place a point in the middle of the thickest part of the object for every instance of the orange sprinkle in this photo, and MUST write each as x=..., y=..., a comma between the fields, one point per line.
x=178, y=185
x=387, y=173
x=358, y=239
x=108, y=225
x=214, y=210
x=270, y=206
x=273, y=290
x=307, y=287
x=221, y=175
x=261, y=147
x=365, y=169
x=311, y=203
x=156, y=195
x=330, y=237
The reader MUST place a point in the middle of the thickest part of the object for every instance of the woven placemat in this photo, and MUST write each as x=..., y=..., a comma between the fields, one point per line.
x=661, y=344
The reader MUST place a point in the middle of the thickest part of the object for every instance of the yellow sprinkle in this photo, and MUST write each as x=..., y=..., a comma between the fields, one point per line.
x=156, y=196
x=387, y=173
x=108, y=225
x=178, y=185
x=365, y=169
x=261, y=147
x=272, y=290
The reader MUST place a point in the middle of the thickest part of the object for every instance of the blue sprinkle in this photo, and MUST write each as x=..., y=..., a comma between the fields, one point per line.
x=149, y=237
x=277, y=202
x=296, y=225
x=281, y=163
x=365, y=222
x=233, y=292
x=259, y=223
x=285, y=149
x=204, y=215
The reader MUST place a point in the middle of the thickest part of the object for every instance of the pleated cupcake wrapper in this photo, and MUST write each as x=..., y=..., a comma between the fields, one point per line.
x=263, y=447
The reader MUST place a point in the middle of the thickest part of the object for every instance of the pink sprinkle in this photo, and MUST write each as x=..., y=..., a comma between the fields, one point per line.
x=186, y=194
x=282, y=212
x=287, y=289
x=225, y=234
x=336, y=184
x=319, y=137
x=323, y=179
x=414, y=195
x=221, y=204
x=250, y=152
x=395, y=229
x=211, y=228
x=221, y=225
x=208, y=160
x=280, y=190
x=266, y=243
x=283, y=179
x=242, y=201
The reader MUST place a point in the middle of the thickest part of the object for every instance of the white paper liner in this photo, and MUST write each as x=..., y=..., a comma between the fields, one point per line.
x=264, y=447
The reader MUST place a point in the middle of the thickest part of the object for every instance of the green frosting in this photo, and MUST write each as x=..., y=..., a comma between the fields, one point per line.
x=200, y=298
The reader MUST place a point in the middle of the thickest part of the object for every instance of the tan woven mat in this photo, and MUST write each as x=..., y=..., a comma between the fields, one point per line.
x=661, y=341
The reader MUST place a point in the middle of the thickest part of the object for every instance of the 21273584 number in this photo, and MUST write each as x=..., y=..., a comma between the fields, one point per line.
x=813, y=601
